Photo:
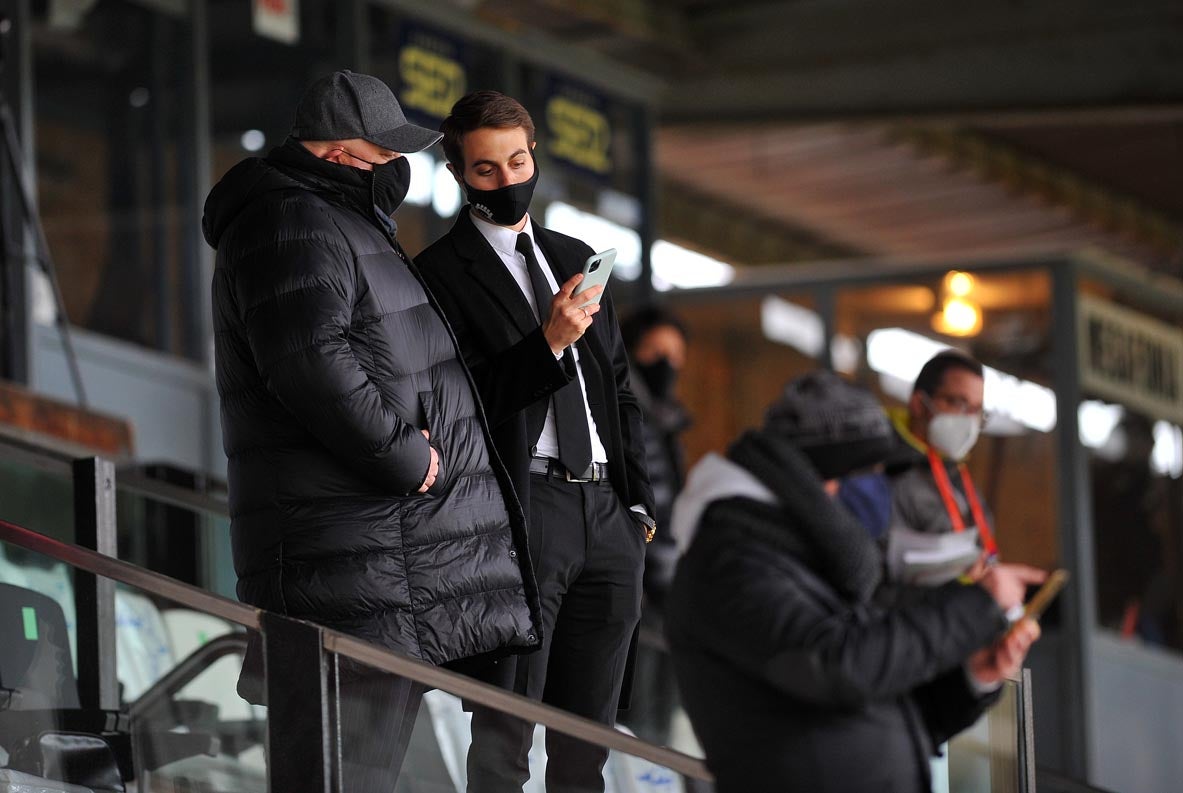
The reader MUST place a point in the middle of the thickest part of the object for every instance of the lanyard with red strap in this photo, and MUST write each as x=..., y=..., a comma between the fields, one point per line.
x=971, y=495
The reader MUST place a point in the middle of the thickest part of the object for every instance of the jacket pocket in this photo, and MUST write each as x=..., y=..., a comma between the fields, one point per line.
x=438, y=432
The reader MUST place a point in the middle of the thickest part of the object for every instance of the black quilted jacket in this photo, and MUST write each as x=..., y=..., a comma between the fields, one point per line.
x=793, y=677
x=331, y=358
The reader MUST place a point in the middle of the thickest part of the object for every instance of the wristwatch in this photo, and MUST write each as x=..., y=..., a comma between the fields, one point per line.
x=649, y=523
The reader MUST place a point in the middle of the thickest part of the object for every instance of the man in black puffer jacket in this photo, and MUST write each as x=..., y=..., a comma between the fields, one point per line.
x=363, y=494
x=793, y=678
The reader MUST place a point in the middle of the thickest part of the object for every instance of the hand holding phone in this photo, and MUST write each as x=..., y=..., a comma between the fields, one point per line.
x=1046, y=594
x=596, y=271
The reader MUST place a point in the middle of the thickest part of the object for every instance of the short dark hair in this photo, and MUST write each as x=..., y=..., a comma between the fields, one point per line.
x=644, y=319
x=480, y=109
x=932, y=374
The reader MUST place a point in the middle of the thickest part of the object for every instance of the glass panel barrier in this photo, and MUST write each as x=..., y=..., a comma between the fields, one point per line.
x=179, y=723
x=989, y=756
x=385, y=717
x=191, y=730
x=174, y=529
x=37, y=496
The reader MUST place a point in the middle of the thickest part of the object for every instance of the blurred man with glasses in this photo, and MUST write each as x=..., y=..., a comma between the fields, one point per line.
x=938, y=524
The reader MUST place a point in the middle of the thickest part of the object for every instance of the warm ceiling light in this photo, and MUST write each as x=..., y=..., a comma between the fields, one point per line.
x=959, y=284
x=959, y=317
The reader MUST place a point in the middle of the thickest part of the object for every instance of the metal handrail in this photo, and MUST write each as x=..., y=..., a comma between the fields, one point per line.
x=363, y=652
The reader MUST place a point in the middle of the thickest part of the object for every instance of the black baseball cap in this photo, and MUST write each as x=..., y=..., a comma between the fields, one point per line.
x=346, y=105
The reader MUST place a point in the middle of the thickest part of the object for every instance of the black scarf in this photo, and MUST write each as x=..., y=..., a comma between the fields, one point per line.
x=351, y=186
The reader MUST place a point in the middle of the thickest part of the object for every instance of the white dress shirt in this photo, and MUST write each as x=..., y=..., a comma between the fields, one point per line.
x=504, y=242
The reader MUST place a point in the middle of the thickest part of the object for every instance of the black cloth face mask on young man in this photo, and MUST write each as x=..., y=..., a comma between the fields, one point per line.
x=505, y=206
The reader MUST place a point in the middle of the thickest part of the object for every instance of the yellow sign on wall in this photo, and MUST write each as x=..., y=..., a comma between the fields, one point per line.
x=580, y=134
x=432, y=81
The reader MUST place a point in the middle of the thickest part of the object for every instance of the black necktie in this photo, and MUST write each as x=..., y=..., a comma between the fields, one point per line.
x=570, y=416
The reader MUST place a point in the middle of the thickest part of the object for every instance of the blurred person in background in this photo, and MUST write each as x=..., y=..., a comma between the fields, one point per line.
x=932, y=494
x=793, y=676
x=1131, y=517
x=656, y=341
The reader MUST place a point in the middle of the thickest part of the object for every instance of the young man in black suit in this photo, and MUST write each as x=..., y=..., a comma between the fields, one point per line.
x=553, y=376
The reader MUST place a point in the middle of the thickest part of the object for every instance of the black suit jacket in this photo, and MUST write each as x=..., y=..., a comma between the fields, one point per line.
x=515, y=371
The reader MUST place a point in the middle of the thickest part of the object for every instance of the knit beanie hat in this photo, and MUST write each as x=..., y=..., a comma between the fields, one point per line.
x=839, y=426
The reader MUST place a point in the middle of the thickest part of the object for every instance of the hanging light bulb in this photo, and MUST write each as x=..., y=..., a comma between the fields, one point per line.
x=959, y=315
x=959, y=284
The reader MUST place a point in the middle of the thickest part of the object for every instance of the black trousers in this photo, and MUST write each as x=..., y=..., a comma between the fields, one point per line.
x=589, y=556
x=377, y=716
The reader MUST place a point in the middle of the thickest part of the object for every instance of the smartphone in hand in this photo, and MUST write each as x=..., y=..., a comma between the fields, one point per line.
x=596, y=270
x=1045, y=594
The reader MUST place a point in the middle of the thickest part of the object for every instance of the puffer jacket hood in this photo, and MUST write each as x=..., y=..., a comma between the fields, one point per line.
x=713, y=478
x=248, y=180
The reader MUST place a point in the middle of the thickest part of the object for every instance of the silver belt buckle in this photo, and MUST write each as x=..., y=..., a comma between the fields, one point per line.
x=581, y=479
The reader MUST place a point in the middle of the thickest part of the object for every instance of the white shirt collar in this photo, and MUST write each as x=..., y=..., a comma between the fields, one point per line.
x=503, y=239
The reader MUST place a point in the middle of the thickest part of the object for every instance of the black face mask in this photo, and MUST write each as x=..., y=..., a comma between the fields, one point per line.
x=505, y=206
x=659, y=377
x=389, y=183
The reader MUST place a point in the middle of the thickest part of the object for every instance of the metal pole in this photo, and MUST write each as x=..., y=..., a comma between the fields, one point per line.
x=15, y=326
x=647, y=198
x=301, y=720
x=1075, y=532
x=94, y=596
x=824, y=295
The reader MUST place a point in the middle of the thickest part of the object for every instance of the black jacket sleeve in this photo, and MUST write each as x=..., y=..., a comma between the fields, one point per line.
x=948, y=705
x=774, y=620
x=508, y=380
x=296, y=312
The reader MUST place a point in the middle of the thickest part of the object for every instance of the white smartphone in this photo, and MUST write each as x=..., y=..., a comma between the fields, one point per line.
x=596, y=270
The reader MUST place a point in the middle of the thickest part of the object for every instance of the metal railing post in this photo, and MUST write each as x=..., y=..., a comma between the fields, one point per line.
x=301, y=681
x=94, y=596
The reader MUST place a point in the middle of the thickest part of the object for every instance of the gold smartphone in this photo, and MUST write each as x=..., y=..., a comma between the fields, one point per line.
x=1046, y=594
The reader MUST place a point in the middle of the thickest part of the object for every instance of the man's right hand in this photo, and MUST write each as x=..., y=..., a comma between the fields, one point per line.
x=567, y=320
x=991, y=665
x=1007, y=583
x=433, y=469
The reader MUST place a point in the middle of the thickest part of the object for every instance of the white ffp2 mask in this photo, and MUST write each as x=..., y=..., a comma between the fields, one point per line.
x=954, y=433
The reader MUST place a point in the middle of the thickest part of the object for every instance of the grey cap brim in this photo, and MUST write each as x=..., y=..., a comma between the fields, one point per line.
x=405, y=139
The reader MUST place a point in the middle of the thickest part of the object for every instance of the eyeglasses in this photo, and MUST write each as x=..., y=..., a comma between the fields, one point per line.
x=955, y=404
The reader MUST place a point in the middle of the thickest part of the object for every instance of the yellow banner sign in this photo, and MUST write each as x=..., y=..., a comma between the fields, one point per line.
x=580, y=134
x=431, y=82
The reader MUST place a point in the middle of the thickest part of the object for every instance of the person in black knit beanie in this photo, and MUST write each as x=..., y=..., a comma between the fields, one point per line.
x=793, y=676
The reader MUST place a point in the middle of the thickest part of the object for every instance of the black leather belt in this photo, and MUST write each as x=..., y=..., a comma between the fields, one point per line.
x=548, y=466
